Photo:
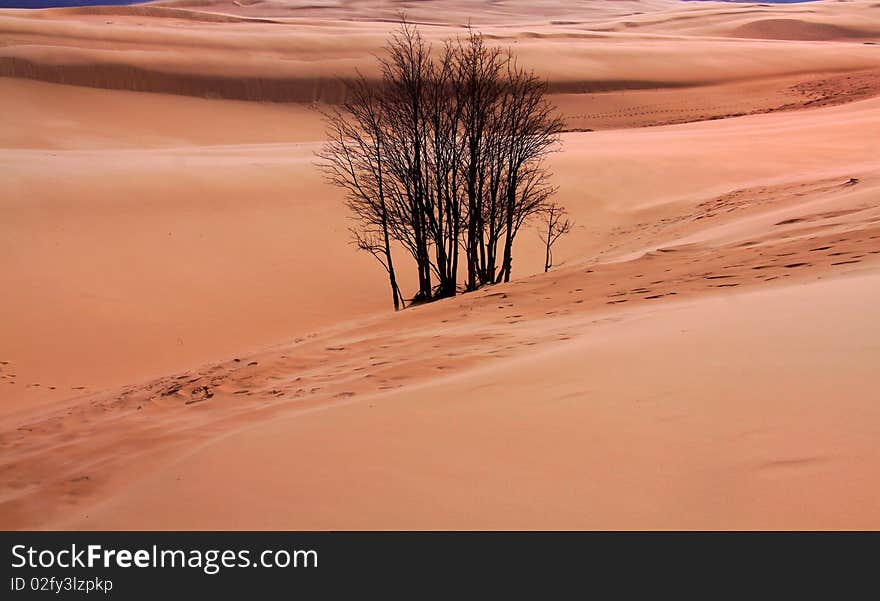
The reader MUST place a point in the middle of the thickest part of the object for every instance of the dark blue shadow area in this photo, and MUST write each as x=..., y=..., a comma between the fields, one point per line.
x=61, y=3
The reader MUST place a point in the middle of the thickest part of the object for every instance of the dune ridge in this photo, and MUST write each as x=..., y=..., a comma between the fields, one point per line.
x=127, y=77
x=161, y=12
x=794, y=29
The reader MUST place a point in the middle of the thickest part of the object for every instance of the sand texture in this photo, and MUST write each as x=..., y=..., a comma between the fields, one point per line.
x=188, y=340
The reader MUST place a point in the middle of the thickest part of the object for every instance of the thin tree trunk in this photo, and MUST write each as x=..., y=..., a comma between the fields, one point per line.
x=547, y=261
x=392, y=277
x=508, y=235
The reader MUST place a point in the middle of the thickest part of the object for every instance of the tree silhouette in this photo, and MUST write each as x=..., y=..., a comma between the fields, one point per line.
x=444, y=154
x=557, y=225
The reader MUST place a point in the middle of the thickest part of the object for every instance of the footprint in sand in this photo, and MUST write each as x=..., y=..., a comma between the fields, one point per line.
x=173, y=389
x=199, y=394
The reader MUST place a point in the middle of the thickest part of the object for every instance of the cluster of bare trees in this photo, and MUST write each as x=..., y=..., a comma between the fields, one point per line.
x=443, y=158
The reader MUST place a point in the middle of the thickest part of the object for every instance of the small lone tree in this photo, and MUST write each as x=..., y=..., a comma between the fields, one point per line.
x=557, y=225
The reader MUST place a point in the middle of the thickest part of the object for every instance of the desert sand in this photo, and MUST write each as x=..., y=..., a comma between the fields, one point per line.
x=188, y=340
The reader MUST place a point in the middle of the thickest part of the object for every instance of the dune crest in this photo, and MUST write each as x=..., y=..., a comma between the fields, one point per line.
x=794, y=29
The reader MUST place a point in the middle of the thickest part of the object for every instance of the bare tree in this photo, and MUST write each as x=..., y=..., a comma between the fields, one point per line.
x=531, y=130
x=405, y=72
x=446, y=154
x=479, y=86
x=352, y=159
x=557, y=224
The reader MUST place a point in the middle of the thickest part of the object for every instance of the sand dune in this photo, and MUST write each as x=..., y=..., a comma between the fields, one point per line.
x=611, y=427
x=187, y=332
x=161, y=12
x=816, y=21
x=433, y=11
x=794, y=29
x=301, y=59
x=86, y=118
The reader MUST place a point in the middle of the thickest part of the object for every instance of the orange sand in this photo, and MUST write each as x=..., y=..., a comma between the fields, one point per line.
x=702, y=356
